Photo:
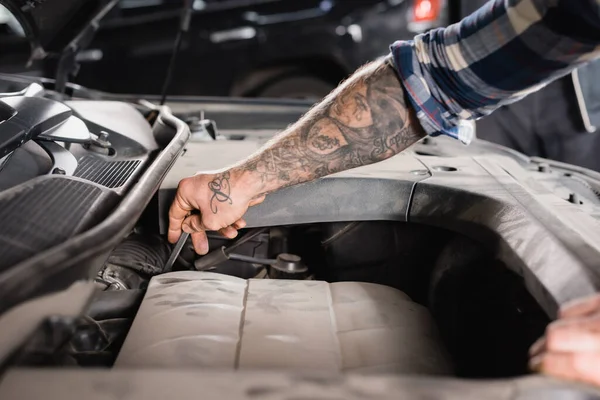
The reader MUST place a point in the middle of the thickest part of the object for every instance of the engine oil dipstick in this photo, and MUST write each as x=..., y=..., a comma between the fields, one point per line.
x=176, y=251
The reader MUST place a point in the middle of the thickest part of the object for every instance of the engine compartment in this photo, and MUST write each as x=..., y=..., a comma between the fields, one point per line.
x=467, y=299
x=429, y=264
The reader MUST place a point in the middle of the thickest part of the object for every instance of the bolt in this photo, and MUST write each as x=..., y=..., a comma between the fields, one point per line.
x=574, y=199
x=545, y=168
x=103, y=136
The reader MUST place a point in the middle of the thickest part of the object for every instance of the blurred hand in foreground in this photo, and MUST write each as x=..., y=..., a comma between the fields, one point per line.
x=570, y=348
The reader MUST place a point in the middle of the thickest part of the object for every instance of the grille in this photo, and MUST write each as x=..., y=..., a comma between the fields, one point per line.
x=111, y=174
x=41, y=216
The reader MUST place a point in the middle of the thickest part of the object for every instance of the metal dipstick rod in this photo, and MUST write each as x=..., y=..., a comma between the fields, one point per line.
x=176, y=251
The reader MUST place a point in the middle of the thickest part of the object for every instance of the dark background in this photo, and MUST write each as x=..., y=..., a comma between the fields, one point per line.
x=267, y=48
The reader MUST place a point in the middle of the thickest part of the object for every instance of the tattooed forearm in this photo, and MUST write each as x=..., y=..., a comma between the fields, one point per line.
x=324, y=142
x=221, y=191
x=363, y=121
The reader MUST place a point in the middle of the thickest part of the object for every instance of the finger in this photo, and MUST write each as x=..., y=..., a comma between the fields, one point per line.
x=257, y=200
x=580, y=307
x=573, y=336
x=200, y=242
x=538, y=347
x=239, y=224
x=193, y=223
x=230, y=232
x=177, y=213
x=582, y=367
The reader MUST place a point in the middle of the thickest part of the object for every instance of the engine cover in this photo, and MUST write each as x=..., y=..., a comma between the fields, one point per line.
x=201, y=319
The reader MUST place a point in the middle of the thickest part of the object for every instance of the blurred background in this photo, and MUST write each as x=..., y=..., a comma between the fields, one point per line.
x=297, y=49
x=249, y=48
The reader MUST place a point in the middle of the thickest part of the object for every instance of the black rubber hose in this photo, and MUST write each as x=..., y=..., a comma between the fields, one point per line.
x=115, y=304
x=144, y=254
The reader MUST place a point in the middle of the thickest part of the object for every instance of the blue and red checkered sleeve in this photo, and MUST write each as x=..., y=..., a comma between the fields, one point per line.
x=496, y=56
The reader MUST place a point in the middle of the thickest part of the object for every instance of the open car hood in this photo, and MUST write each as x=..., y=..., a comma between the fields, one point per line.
x=55, y=25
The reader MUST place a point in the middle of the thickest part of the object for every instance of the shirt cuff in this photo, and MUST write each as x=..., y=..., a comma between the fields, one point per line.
x=434, y=117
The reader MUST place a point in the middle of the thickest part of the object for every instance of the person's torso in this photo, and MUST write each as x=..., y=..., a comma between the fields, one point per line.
x=586, y=81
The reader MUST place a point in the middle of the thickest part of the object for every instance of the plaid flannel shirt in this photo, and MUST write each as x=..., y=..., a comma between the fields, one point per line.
x=496, y=56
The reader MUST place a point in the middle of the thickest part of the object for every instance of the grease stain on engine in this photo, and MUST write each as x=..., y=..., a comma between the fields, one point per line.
x=228, y=291
x=213, y=283
x=284, y=300
x=311, y=284
x=177, y=304
x=170, y=281
x=155, y=296
x=199, y=314
x=324, y=381
x=261, y=391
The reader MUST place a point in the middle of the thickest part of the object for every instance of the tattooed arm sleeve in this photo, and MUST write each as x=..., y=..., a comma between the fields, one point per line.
x=364, y=120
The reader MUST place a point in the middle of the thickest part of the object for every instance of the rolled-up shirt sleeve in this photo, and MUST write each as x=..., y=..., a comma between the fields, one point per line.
x=496, y=56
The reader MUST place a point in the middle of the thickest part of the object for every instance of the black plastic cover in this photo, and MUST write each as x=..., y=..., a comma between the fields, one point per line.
x=30, y=117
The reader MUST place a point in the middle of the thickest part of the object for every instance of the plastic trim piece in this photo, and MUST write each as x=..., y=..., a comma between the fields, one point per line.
x=532, y=230
x=73, y=130
x=64, y=161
